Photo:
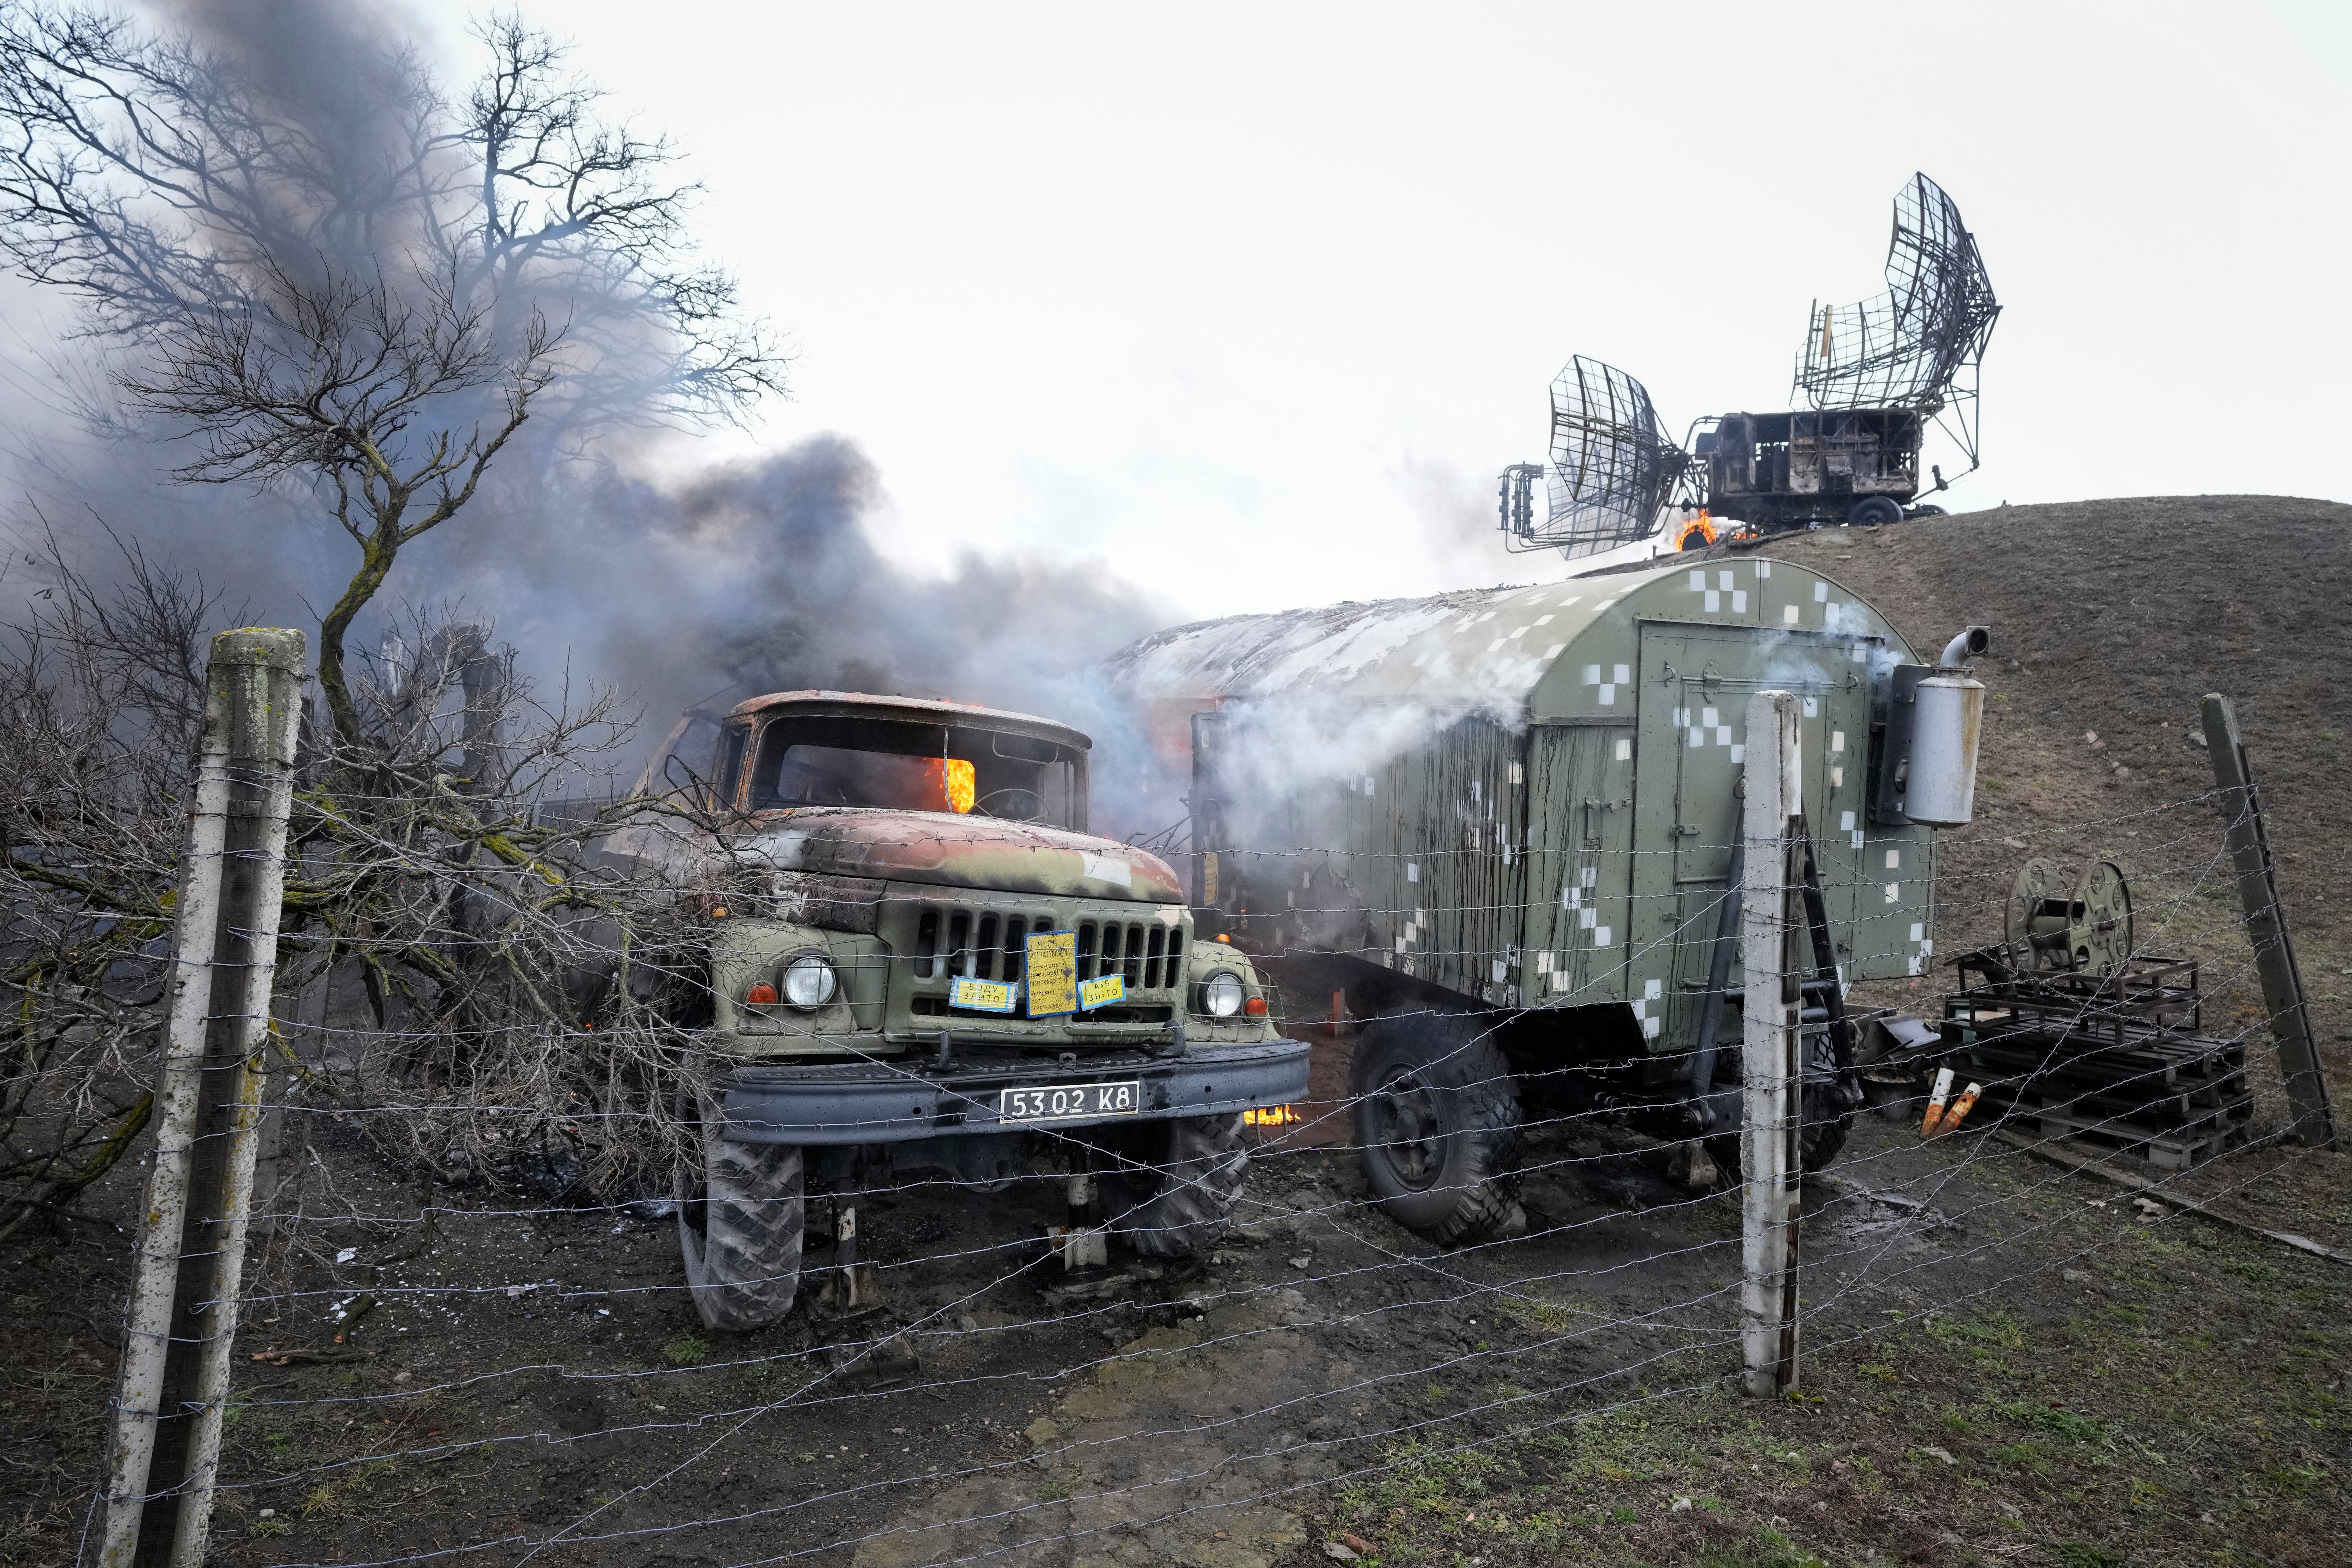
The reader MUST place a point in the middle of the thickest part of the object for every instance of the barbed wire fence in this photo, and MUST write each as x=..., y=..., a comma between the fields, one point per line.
x=464, y=1334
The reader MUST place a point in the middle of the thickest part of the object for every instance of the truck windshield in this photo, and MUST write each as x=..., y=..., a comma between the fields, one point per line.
x=899, y=766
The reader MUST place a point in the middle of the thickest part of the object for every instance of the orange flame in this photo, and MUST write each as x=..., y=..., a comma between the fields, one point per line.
x=1273, y=1116
x=1697, y=533
x=959, y=787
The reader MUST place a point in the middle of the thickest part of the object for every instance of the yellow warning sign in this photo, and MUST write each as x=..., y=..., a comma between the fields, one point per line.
x=981, y=995
x=1102, y=993
x=1053, y=973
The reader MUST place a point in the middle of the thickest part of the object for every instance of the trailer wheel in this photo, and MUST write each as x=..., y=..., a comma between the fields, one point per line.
x=740, y=1214
x=1437, y=1118
x=1180, y=1200
x=1817, y=1145
x=1874, y=511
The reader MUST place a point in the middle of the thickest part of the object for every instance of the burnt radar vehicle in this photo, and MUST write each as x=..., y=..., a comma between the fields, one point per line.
x=1504, y=823
x=920, y=960
x=1875, y=376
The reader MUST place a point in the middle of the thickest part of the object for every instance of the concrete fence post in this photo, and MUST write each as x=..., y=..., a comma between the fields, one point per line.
x=1772, y=1111
x=2257, y=875
x=182, y=1318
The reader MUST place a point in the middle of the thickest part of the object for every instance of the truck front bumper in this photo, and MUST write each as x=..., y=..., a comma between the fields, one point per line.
x=821, y=1103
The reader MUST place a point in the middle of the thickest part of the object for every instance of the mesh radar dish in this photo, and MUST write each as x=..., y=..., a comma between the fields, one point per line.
x=1611, y=466
x=1918, y=346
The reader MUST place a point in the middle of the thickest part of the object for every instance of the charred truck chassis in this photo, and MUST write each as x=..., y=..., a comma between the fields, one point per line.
x=1812, y=468
x=1527, y=897
x=886, y=879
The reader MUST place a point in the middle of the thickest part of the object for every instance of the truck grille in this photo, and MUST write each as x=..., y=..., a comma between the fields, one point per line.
x=991, y=945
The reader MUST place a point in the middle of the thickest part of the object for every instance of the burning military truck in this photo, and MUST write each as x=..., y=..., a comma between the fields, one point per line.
x=922, y=960
x=1504, y=824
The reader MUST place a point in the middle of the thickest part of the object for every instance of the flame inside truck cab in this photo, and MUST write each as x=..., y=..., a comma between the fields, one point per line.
x=834, y=749
x=957, y=785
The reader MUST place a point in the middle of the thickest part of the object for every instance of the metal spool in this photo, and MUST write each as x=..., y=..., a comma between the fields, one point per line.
x=2101, y=940
x=2041, y=923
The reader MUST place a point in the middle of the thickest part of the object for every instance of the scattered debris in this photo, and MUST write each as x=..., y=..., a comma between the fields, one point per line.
x=2075, y=1162
x=2078, y=1034
x=303, y=1355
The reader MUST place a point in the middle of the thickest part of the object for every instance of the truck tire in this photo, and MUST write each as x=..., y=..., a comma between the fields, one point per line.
x=1817, y=1145
x=739, y=1219
x=1437, y=1119
x=1874, y=511
x=1180, y=1202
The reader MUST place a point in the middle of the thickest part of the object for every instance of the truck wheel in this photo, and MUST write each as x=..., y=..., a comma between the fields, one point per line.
x=739, y=1224
x=1437, y=1119
x=1874, y=511
x=1182, y=1204
x=1816, y=1146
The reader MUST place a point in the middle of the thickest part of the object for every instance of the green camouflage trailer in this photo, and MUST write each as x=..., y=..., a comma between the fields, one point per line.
x=1519, y=806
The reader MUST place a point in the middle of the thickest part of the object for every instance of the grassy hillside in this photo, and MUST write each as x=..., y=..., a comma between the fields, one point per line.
x=2111, y=620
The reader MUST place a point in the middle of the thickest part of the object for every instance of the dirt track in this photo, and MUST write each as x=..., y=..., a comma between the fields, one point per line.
x=2009, y=1364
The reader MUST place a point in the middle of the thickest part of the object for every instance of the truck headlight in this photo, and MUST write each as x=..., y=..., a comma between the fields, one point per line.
x=809, y=981
x=1221, y=993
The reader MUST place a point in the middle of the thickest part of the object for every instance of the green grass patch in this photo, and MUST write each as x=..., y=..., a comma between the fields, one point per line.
x=1768, y=1548
x=2082, y=1554
x=2059, y=1422
x=1997, y=1330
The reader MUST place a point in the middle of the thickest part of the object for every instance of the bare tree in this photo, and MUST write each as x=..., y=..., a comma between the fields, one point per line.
x=368, y=296
x=509, y=1009
x=100, y=698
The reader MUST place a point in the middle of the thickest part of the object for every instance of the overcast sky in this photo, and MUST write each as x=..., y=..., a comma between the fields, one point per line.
x=1253, y=301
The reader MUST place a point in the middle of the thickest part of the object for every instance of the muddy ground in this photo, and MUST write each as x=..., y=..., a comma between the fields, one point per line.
x=2007, y=1362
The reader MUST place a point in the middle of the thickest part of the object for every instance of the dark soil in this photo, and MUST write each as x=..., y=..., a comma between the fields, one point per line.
x=2007, y=1362
x=2114, y=618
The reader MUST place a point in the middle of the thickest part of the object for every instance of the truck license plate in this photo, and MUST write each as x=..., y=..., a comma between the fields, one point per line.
x=1056, y=1102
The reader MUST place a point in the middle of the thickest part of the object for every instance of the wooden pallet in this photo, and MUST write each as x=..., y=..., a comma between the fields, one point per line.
x=2166, y=1083
x=2174, y=1149
x=2108, y=1065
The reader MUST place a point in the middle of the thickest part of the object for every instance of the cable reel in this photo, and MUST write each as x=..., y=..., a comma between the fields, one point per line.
x=2049, y=933
x=2101, y=940
x=2040, y=923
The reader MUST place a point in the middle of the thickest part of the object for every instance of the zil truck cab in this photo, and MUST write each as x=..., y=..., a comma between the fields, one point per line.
x=920, y=960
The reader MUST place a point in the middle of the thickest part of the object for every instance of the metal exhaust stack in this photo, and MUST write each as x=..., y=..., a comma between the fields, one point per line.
x=1947, y=721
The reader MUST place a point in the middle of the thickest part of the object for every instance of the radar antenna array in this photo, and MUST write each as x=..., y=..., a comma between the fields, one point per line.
x=1918, y=346
x=1611, y=470
x=1874, y=374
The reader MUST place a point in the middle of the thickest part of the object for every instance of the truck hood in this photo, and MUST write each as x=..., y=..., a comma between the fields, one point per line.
x=957, y=852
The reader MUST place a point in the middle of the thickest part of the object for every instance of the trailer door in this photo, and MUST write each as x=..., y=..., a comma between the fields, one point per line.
x=1695, y=682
